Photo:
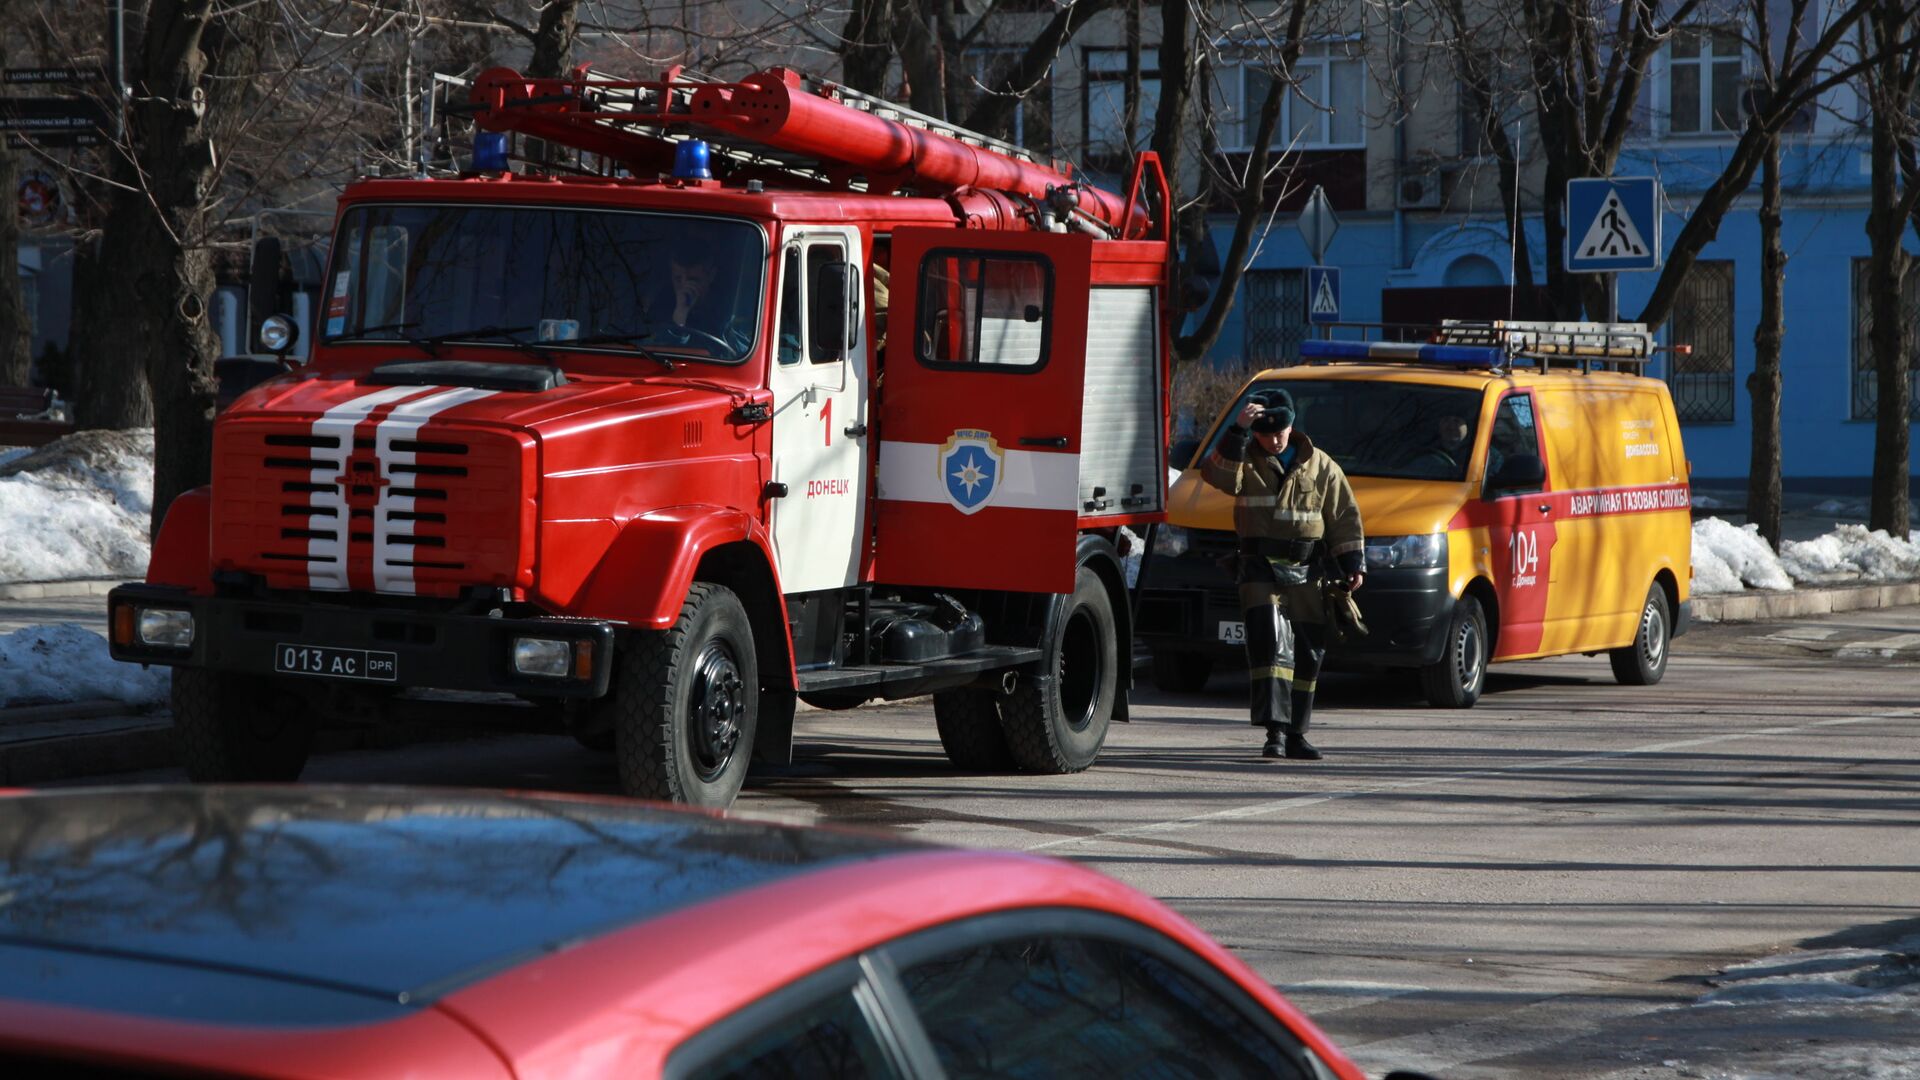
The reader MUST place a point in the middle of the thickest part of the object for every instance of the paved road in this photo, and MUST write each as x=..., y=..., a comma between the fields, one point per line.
x=1534, y=887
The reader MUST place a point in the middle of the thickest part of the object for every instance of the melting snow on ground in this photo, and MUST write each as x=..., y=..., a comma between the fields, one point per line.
x=63, y=662
x=77, y=508
x=1815, y=975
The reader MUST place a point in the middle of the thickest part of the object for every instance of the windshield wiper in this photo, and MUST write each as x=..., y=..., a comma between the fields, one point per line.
x=633, y=339
x=426, y=345
x=499, y=333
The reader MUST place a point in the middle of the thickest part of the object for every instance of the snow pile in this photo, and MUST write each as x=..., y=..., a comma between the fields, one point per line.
x=63, y=662
x=77, y=507
x=1728, y=558
x=11, y=453
x=1816, y=975
x=1851, y=553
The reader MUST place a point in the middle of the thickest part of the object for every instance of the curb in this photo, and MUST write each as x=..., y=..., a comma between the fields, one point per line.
x=57, y=590
x=144, y=743
x=1786, y=604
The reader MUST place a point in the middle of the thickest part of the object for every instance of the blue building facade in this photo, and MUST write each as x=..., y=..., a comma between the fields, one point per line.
x=1827, y=415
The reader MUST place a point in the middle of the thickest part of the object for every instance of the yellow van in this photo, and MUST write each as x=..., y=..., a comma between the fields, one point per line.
x=1520, y=499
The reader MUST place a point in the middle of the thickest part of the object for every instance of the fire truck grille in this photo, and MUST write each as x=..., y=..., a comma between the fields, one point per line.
x=373, y=512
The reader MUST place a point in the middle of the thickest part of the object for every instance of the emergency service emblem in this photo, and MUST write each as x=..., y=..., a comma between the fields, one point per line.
x=970, y=469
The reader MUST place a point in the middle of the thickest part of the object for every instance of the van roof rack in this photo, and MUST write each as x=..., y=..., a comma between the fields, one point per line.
x=1498, y=344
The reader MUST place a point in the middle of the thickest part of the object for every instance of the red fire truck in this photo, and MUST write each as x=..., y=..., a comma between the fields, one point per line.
x=733, y=395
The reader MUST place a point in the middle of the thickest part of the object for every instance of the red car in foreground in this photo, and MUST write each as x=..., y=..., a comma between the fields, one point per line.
x=367, y=932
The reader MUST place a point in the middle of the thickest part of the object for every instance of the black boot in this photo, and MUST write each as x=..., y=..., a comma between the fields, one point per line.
x=1301, y=707
x=1272, y=748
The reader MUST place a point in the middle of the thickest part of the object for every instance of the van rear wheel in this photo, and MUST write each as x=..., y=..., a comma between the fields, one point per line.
x=1456, y=679
x=1645, y=661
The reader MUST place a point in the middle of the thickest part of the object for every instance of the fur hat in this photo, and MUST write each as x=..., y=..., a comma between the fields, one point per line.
x=1279, y=406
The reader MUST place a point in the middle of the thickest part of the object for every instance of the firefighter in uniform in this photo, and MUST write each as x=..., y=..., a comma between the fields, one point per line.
x=1298, y=524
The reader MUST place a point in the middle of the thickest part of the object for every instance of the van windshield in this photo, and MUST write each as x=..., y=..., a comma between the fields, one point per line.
x=1400, y=431
x=617, y=280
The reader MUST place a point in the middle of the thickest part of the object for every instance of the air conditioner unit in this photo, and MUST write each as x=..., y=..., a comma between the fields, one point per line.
x=1418, y=189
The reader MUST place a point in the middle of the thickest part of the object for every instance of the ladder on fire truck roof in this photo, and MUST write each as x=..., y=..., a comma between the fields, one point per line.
x=782, y=126
x=1500, y=344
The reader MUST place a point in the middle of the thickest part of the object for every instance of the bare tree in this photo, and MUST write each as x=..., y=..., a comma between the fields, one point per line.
x=1891, y=77
x=16, y=339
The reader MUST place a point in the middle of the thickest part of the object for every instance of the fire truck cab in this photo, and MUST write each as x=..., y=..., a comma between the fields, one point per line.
x=772, y=393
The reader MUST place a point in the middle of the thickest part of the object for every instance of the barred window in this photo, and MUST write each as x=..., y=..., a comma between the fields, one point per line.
x=1866, y=384
x=1702, y=382
x=1274, y=310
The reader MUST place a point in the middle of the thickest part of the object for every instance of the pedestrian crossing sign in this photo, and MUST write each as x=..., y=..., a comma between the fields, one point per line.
x=1323, y=294
x=1613, y=223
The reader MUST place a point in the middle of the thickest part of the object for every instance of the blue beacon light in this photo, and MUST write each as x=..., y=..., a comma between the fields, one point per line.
x=490, y=151
x=692, y=160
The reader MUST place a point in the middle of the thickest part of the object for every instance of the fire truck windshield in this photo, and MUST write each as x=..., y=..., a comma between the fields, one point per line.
x=614, y=281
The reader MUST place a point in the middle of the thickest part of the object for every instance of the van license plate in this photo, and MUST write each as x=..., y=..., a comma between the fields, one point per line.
x=1234, y=632
x=335, y=663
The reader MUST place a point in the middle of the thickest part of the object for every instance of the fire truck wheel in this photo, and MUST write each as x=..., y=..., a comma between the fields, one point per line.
x=1181, y=672
x=1645, y=661
x=1058, y=725
x=1455, y=680
x=228, y=726
x=685, y=700
x=970, y=732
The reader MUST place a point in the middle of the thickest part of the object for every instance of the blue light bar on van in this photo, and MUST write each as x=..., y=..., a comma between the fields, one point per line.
x=1487, y=356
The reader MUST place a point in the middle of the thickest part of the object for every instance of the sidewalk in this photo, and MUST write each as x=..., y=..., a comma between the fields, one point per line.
x=41, y=743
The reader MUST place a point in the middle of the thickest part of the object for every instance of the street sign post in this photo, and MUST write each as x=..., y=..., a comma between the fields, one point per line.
x=1613, y=225
x=1323, y=295
x=1318, y=224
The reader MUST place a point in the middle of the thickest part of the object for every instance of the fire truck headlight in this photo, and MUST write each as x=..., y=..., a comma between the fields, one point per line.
x=1406, y=552
x=545, y=657
x=166, y=628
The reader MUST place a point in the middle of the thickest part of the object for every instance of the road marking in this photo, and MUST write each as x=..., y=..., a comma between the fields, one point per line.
x=1301, y=802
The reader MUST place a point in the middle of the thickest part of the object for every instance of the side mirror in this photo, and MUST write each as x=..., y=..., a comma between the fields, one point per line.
x=1519, y=472
x=279, y=334
x=829, y=312
x=1182, y=453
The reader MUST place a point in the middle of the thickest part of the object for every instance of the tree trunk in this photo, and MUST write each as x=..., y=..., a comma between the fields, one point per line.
x=16, y=322
x=155, y=235
x=864, y=52
x=1886, y=270
x=920, y=58
x=553, y=41
x=1176, y=80
x=1763, y=467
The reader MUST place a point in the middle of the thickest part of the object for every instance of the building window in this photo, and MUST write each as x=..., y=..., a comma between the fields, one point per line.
x=1702, y=381
x=1106, y=105
x=992, y=72
x=1323, y=110
x=1866, y=384
x=1274, y=312
x=1703, y=82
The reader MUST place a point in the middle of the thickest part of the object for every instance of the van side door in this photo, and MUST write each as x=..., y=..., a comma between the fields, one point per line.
x=1516, y=503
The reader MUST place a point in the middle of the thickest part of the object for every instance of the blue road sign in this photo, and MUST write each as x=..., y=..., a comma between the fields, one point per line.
x=1323, y=294
x=1613, y=223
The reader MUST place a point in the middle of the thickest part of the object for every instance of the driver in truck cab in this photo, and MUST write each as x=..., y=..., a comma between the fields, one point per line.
x=702, y=316
x=1293, y=511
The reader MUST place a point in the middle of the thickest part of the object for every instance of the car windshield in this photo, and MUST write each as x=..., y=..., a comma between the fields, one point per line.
x=606, y=279
x=1386, y=429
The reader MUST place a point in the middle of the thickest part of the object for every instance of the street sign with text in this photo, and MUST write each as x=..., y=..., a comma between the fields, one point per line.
x=41, y=76
x=1613, y=224
x=46, y=116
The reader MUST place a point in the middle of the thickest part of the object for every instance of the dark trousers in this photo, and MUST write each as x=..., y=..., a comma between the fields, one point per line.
x=1283, y=668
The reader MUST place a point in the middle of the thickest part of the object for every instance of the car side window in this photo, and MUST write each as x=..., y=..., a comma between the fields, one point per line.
x=826, y=1039
x=1514, y=466
x=788, y=350
x=1083, y=1007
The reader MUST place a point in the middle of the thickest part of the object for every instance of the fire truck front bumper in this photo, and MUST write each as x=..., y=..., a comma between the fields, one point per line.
x=542, y=656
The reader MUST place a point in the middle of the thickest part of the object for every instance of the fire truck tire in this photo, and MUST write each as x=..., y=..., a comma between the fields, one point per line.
x=1057, y=725
x=685, y=700
x=1181, y=672
x=970, y=732
x=228, y=726
x=1455, y=680
x=1645, y=661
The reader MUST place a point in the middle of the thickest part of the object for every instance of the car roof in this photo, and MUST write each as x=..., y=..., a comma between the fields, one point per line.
x=339, y=905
